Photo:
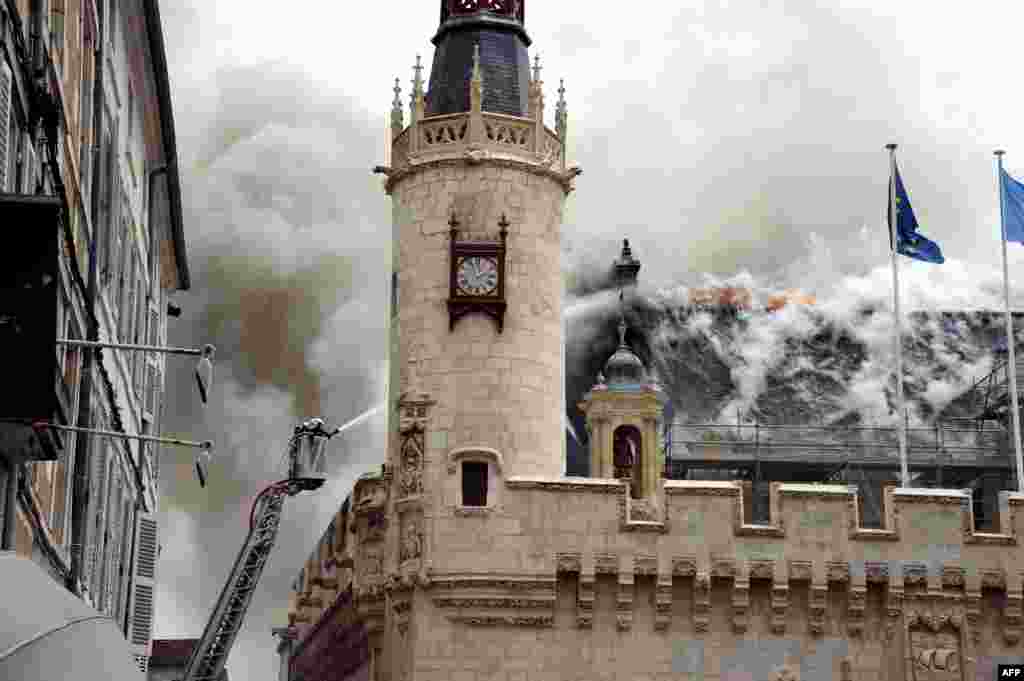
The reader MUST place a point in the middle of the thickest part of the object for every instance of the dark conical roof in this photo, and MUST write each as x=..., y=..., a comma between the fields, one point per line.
x=495, y=25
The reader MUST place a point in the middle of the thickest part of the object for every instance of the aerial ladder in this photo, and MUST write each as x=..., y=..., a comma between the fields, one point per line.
x=305, y=474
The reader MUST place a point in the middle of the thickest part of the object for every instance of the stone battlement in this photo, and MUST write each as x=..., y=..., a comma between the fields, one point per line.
x=571, y=556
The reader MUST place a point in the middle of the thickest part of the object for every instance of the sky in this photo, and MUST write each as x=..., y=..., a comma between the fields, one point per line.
x=728, y=141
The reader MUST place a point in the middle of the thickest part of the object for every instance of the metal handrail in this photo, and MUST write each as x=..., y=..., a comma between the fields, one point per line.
x=942, y=437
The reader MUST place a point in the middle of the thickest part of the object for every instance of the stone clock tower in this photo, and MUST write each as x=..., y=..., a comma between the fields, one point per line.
x=477, y=183
x=470, y=557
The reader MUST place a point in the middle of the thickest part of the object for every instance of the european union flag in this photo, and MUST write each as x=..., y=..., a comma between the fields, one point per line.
x=908, y=241
x=1013, y=208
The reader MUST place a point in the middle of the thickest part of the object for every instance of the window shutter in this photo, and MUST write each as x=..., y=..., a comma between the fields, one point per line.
x=154, y=325
x=140, y=607
x=97, y=493
x=29, y=183
x=152, y=387
x=109, y=533
x=124, y=568
x=115, y=530
x=5, y=116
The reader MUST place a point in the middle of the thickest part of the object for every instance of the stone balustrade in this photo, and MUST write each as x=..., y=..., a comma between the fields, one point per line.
x=483, y=135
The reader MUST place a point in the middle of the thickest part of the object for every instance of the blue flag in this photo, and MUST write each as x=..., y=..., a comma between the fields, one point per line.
x=909, y=241
x=1013, y=208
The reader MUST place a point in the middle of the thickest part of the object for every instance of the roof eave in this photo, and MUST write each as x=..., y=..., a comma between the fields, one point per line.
x=154, y=28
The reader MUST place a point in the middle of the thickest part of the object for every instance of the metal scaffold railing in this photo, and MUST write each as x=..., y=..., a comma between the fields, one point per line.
x=954, y=442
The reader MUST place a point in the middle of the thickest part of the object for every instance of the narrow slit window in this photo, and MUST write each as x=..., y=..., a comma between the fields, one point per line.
x=474, y=483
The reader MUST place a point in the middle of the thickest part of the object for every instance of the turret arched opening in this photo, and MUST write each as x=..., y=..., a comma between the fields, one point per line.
x=627, y=457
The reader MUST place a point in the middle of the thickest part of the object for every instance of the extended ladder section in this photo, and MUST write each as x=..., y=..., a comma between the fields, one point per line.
x=305, y=474
x=211, y=652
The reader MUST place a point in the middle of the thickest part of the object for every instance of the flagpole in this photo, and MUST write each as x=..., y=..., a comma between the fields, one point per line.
x=1011, y=340
x=898, y=331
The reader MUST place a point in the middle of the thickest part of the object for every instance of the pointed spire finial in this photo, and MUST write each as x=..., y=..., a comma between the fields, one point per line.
x=396, y=110
x=561, y=114
x=416, y=96
x=536, y=68
x=417, y=82
x=477, y=76
x=476, y=94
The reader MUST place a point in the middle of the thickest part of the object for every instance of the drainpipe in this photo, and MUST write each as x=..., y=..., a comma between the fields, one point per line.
x=80, y=489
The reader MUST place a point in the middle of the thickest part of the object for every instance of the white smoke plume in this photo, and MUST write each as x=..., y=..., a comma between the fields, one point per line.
x=718, y=138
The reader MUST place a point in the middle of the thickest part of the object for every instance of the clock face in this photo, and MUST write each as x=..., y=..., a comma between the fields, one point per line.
x=477, y=276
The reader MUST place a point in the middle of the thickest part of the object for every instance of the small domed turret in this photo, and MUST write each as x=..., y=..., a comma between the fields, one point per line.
x=624, y=367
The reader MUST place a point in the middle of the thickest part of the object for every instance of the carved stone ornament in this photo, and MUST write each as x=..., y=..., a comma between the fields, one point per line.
x=412, y=412
x=504, y=620
x=606, y=564
x=684, y=566
x=701, y=602
x=935, y=648
x=641, y=510
x=376, y=524
x=800, y=571
x=991, y=579
x=838, y=571
x=779, y=607
x=568, y=562
x=816, y=610
x=585, y=603
x=762, y=569
x=785, y=673
x=646, y=565
x=371, y=565
x=410, y=475
x=476, y=155
x=412, y=543
x=372, y=495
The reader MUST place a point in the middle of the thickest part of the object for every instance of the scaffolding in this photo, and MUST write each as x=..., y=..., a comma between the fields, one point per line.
x=953, y=453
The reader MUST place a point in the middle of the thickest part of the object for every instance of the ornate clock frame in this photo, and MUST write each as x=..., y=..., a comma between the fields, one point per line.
x=492, y=304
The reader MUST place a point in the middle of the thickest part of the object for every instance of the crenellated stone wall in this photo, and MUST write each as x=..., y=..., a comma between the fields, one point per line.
x=557, y=581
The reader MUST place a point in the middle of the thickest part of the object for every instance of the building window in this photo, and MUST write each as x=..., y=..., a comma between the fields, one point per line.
x=474, y=483
x=627, y=457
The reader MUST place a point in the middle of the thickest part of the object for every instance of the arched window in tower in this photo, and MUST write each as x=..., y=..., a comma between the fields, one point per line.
x=626, y=456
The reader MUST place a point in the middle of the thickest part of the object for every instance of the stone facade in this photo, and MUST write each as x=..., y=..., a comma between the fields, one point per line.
x=535, y=576
x=557, y=581
x=491, y=388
